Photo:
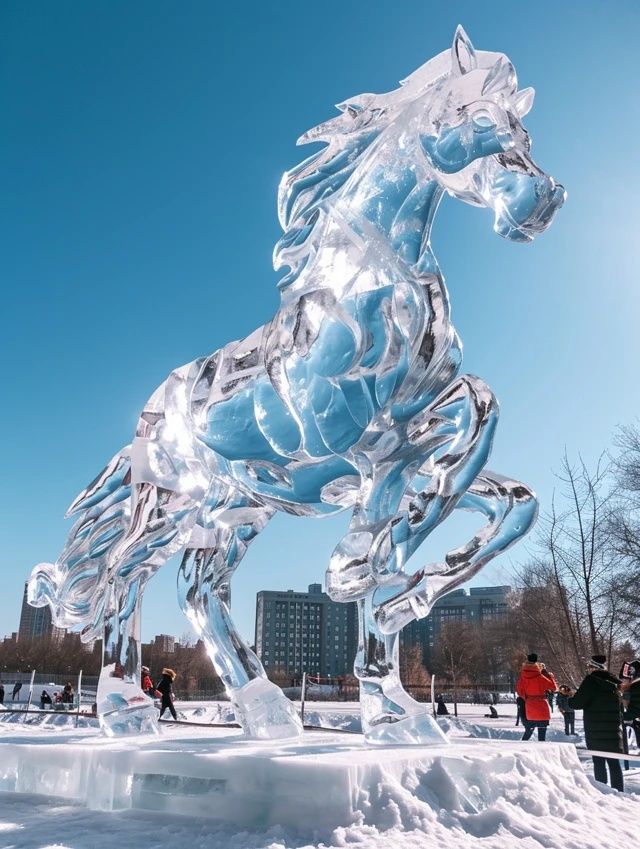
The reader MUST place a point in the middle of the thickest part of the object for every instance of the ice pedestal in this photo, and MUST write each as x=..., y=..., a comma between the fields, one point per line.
x=123, y=709
x=313, y=785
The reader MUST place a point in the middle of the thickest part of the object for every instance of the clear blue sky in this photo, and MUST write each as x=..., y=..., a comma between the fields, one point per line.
x=141, y=145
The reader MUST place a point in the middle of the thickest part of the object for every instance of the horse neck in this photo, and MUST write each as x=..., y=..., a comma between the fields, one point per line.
x=387, y=207
x=393, y=197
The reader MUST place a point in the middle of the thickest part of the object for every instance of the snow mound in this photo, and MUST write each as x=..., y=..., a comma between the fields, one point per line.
x=456, y=727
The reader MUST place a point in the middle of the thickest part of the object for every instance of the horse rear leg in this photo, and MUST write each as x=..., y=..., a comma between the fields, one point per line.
x=219, y=542
x=160, y=525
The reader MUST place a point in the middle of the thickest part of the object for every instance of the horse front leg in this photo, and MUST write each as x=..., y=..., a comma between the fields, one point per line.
x=389, y=715
x=453, y=438
x=363, y=562
x=218, y=544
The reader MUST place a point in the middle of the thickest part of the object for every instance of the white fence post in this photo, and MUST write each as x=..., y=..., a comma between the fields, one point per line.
x=79, y=692
x=302, y=696
x=33, y=675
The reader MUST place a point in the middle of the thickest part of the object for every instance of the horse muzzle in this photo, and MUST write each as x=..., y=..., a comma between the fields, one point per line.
x=525, y=204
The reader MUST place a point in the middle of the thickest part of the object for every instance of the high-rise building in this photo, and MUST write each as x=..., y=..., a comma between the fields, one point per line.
x=164, y=643
x=476, y=606
x=305, y=632
x=36, y=622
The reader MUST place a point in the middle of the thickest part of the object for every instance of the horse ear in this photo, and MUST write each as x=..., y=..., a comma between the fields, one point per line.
x=523, y=101
x=501, y=77
x=463, y=56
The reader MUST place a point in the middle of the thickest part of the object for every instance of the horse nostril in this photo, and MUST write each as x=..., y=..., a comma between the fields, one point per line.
x=560, y=194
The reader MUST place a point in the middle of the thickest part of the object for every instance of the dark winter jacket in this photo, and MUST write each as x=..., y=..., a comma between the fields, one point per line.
x=533, y=685
x=599, y=698
x=633, y=708
x=562, y=700
x=442, y=709
x=164, y=685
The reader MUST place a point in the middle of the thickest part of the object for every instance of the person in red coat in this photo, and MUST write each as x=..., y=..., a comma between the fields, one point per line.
x=533, y=685
x=147, y=683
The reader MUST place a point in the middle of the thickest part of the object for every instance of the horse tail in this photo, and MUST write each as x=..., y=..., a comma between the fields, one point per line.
x=75, y=585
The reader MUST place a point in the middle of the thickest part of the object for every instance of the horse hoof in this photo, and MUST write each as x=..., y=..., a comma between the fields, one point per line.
x=126, y=721
x=264, y=712
x=417, y=730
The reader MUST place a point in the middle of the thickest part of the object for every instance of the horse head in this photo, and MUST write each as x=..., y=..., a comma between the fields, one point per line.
x=472, y=135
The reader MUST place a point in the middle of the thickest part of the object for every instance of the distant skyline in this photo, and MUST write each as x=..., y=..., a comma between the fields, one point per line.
x=141, y=151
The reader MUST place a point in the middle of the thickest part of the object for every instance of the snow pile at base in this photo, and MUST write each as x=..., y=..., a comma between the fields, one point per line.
x=497, y=795
x=456, y=727
x=47, y=719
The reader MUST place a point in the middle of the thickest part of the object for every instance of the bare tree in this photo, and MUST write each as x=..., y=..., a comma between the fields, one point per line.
x=456, y=655
x=625, y=525
x=568, y=588
x=413, y=672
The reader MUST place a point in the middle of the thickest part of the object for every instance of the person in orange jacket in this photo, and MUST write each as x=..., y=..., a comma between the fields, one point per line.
x=533, y=685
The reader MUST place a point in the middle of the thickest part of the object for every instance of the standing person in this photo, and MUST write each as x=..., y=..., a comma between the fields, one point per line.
x=45, y=699
x=533, y=685
x=442, y=709
x=146, y=683
x=165, y=687
x=599, y=699
x=67, y=694
x=16, y=690
x=1, y=693
x=520, y=717
x=632, y=687
x=569, y=715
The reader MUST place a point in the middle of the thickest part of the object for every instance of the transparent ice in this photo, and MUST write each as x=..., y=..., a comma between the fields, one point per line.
x=350, y=398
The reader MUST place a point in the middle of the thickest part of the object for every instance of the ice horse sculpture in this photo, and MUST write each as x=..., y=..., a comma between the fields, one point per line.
x=351, y=397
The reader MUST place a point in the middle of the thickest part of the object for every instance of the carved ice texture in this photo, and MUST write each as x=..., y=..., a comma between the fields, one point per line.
x=350, y=398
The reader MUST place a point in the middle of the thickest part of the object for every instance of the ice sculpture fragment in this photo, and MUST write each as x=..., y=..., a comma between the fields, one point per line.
x=351, y=397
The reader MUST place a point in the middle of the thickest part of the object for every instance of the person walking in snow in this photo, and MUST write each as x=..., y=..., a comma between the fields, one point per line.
x=569, y=715
x=598, y=697
x=533, y=685
x=632, y=688
x=165, y=687
x=16, y=690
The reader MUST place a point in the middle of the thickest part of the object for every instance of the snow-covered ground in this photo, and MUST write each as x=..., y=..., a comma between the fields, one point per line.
x=498, y=795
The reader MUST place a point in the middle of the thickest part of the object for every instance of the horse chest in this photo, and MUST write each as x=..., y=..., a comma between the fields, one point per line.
x=319, y=374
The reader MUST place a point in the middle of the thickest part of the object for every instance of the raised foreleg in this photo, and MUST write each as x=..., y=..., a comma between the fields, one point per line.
x=511, y=509
x=446, y=445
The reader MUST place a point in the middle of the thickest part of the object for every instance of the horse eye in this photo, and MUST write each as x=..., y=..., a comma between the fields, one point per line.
x=483, y=120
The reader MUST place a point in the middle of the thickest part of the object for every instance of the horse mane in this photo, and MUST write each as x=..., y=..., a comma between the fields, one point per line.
x=347, y=137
